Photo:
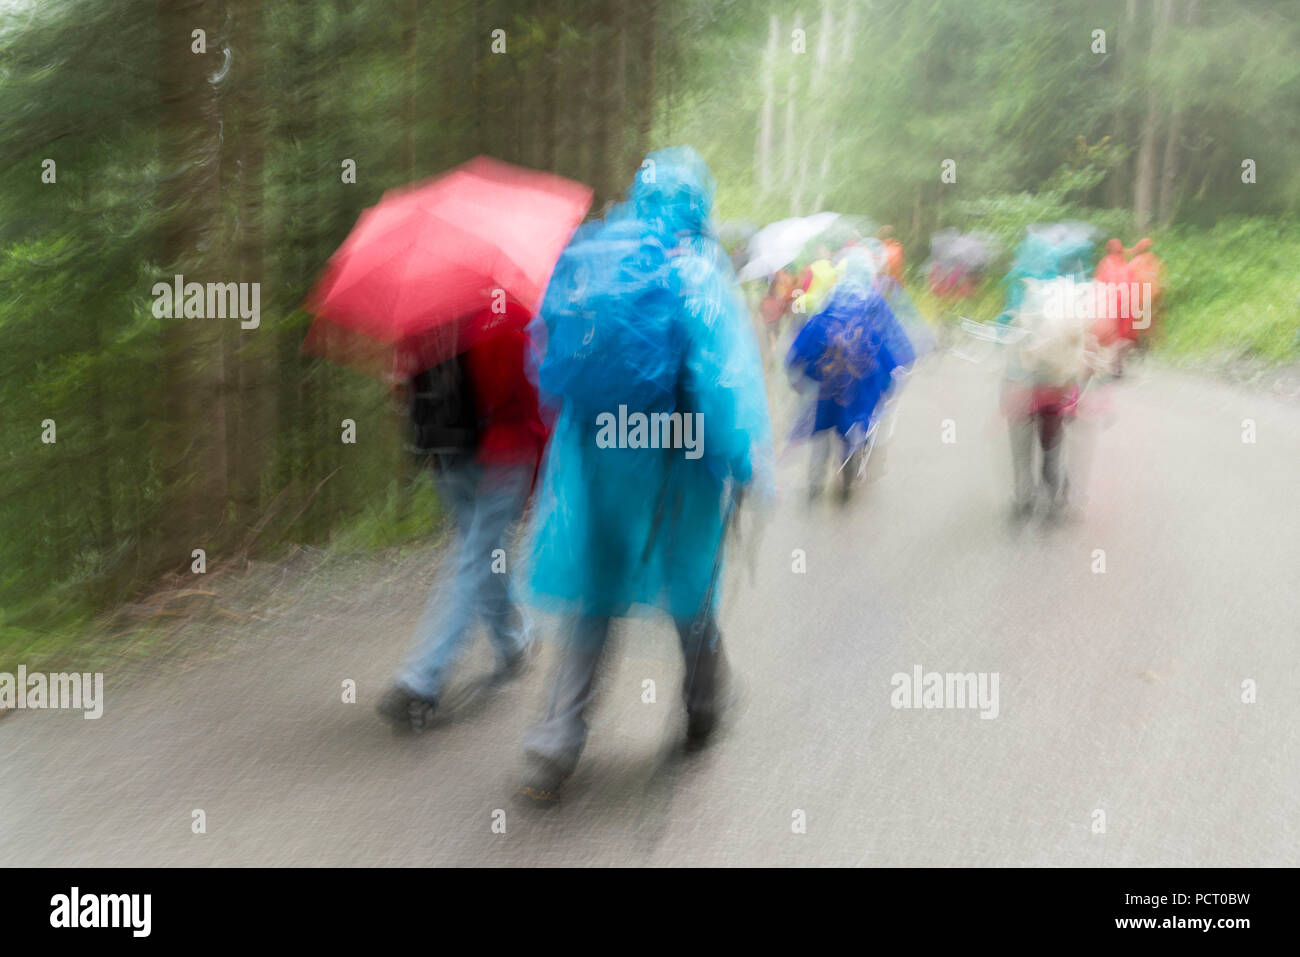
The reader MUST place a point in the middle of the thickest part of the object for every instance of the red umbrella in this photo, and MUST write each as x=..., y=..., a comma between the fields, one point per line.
x=436, y=267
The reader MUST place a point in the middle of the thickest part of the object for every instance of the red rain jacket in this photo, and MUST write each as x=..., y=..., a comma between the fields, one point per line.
x=1114, y=269
x=512, y=431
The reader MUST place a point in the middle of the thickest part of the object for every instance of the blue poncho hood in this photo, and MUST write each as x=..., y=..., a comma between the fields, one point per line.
x=673, y=192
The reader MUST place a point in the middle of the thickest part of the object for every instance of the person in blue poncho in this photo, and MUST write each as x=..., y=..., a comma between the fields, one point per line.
x=1046, y=252
x=848, y=353
x=650, y=366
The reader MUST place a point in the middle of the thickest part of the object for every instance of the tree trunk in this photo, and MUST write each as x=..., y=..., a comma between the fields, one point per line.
x=645, y=88
x=410, y=64
x=299, y=436
x=551, y=104
x=789, y=146
x=193, y=466
x=849, y=26
x=1169, y=194
x=818, y=93
x=620, y=158
x=604, y=63
x=255, y=373
x=1120, y=181
x=1169, y=171
x=1144, y=188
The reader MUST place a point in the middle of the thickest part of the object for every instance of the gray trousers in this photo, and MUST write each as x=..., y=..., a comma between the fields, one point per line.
x=559, y=737
x=829, y=449
x=1046, y=429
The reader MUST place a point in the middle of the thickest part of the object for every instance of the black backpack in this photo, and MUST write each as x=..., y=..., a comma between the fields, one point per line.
x=443, y=417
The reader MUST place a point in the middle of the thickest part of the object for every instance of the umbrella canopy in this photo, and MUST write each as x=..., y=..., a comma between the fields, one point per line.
x=846, y=231
x=972, y=251
x=736, y=231
x=437, y=267
x=779, y=243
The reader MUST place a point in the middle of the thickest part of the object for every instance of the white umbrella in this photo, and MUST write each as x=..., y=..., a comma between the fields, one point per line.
x=777, y=244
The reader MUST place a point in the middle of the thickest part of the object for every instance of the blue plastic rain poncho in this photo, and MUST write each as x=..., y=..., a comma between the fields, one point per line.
x=850, y=349
x=643, y=318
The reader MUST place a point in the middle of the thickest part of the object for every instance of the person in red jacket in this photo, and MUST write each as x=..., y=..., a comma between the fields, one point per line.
x=776, y=304
x=511, y=428
x=484, y=466
x=893, y=253
x=1114, y=271
x=1148, y=272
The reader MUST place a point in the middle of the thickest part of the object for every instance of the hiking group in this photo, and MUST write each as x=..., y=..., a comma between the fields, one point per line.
x=513, y=332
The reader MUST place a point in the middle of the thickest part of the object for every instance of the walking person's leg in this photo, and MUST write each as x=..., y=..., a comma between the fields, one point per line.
x=820, y=453
x=553, y=745
x=503, y=494
x=1022, y=464
x=443, y=628
x=705, y=672
x=849, y=462
x=1051, y=434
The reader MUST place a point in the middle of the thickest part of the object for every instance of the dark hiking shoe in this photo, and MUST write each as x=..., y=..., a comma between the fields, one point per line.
x=542, y=784
x=851, y=475
x=846, y=489
x=1063, y=513
x=700, y=726
x=405, y=711
x=703, y=722
x=710, y=710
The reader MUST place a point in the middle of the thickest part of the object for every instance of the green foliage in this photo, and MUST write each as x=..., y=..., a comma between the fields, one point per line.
x=244, y=183
x=1010, y=90
x=401, y=516
x=1233, y=290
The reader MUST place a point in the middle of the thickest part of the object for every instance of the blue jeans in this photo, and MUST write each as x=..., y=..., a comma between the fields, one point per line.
x=485, y=503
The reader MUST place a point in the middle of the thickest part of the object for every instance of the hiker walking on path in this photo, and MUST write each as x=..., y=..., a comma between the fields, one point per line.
x=643, y=322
